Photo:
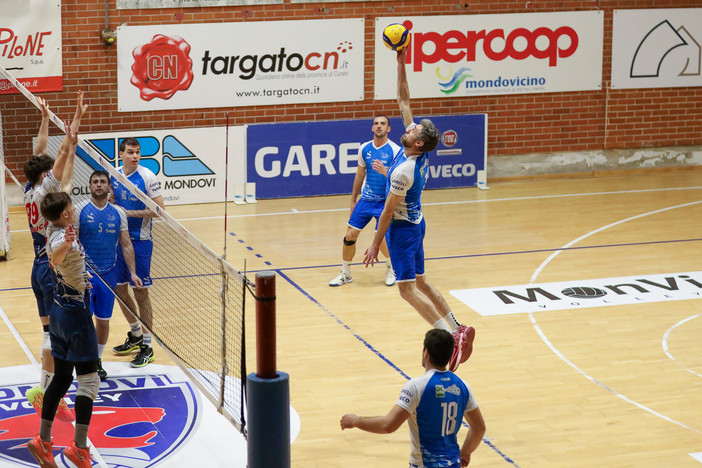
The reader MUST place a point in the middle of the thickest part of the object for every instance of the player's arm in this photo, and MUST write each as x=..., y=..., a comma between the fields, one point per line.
x=403, y=95
x=147, y=213
x=128, y=251
x=58, y=254
x=371, y=254
x=376, y=424
x=474, y=436
x=357, y=184
x=66, y=176
x=41, y=145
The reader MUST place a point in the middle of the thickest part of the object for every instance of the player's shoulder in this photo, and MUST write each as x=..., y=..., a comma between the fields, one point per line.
x=145, y=172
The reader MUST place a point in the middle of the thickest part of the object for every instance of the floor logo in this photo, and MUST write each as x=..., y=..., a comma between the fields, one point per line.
x=138, y=420
x=582, y=293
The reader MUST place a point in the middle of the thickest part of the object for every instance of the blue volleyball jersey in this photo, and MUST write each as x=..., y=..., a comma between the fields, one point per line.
x=98, y=232
x=407, y=176
x=33, y=196
x=436, y=402
x=146, y=181
x=375, y=182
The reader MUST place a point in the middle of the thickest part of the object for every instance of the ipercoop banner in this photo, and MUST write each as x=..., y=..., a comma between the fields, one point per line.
x=239, y=64
x=30, y=44
x=478, y=55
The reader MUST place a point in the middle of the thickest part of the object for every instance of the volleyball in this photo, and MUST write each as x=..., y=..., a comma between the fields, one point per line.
x=396, y=36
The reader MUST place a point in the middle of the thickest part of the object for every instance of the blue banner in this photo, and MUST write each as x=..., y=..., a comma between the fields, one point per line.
x=320, y=158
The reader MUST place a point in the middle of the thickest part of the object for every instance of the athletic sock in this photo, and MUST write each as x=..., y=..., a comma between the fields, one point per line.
x=136, y=329
x=441, y=324
x=46, y=377
x=101, y=348
x=451, y=321
x=346, y=267
x=147, y=339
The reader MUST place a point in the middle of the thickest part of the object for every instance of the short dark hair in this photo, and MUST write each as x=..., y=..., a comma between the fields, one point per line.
x=36, y=166
x=53, y=204
x=97, y=173
x=382, y=115
x=439, y=344
x=429, y=135
x=129, y=141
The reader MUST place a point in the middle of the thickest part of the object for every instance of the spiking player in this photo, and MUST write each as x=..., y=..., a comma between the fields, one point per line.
x=73, y=338
x=101, y=227
x=44, y=176
x=435, y=404
x=139, y=220
x=370, y=183
x=403, y=221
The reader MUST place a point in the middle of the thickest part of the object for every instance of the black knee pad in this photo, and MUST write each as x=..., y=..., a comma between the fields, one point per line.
x=348, y=242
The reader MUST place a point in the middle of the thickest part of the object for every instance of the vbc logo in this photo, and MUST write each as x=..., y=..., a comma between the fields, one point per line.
x=455, y=46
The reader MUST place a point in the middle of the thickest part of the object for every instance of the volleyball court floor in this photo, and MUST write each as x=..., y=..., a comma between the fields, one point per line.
x=598, y=364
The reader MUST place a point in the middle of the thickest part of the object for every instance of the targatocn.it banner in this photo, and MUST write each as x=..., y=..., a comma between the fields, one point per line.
x=30, y=44
x=477, y=55
x=239, y=64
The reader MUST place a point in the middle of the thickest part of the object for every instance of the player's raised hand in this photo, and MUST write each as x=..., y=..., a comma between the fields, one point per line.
x=43, y=107
x=80, y=107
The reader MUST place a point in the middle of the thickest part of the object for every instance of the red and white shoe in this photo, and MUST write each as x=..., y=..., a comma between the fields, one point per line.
x=42, y=451
x=463, y=339
x=80, y=457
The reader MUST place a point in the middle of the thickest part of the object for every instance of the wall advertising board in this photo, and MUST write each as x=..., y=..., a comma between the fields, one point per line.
x=30, y=44
x=477, y=55
x=657, y=48
x=320, y=158
x=239, y=64
x=189, y=163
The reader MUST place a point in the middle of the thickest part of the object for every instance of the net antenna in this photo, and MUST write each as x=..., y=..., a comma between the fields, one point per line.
x=197, y=297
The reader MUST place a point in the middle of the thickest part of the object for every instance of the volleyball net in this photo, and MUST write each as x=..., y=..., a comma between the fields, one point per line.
x=197, y=298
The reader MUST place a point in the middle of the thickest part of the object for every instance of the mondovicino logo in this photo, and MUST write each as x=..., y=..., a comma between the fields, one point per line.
x=162, y=67
x=657, y=44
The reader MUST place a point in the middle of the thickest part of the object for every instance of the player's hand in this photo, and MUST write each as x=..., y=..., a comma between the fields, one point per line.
x=136, y=281
x=44, y=107
x=402, y=55
x=70, y=234
x=465, y=458
x=348, y=421
x=371, y=256
x=80, y=107
x=71, y=136
x=378, y=166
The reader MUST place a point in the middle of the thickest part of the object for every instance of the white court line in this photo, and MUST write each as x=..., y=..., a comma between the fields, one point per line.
x=33, y=360
x=664, y=343
x=460, y=202
x=570, y=363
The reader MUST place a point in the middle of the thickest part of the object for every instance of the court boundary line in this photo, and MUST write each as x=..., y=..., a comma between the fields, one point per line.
x=561, y=356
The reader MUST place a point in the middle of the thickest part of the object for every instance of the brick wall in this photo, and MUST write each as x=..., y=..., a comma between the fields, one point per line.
x=518, y=124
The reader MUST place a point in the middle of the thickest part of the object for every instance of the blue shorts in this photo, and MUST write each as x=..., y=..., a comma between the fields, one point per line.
x=43, y=282
x=102, y=297
x=142, y=258
x=363, y=212
x=72, y=331
x=406, y=246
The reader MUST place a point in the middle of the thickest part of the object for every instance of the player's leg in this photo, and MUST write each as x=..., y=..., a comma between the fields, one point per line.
x=360, y=216
x=390, y=276
x=142, y=252
x=43, y=282
x=127, y=306
x=102, y=302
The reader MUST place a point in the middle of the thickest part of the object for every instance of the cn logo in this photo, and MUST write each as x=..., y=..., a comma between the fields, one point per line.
x=657, y=44
x=162, y=67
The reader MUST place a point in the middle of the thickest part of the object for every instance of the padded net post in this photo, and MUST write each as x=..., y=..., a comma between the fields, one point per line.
x=265, y=325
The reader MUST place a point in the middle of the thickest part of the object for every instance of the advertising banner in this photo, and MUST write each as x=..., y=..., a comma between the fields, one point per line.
x=142, y=4
x=30, y=44
x=656, y=48
x=477, y=55
x=320, y=158
x=189, y=163
x=239, y=64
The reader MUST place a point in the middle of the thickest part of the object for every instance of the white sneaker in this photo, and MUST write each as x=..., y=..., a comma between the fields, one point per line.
x=389, y=275
x=341, y=279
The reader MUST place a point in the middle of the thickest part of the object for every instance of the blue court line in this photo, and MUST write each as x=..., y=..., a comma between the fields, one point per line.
x=489, y=443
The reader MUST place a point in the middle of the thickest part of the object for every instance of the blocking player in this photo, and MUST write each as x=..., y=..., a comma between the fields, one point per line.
x=44, y=176
x=435, y=404
x=139, y=221
x=403, y=221
x=101, y=227
x=73, y=338
x=370, y=183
